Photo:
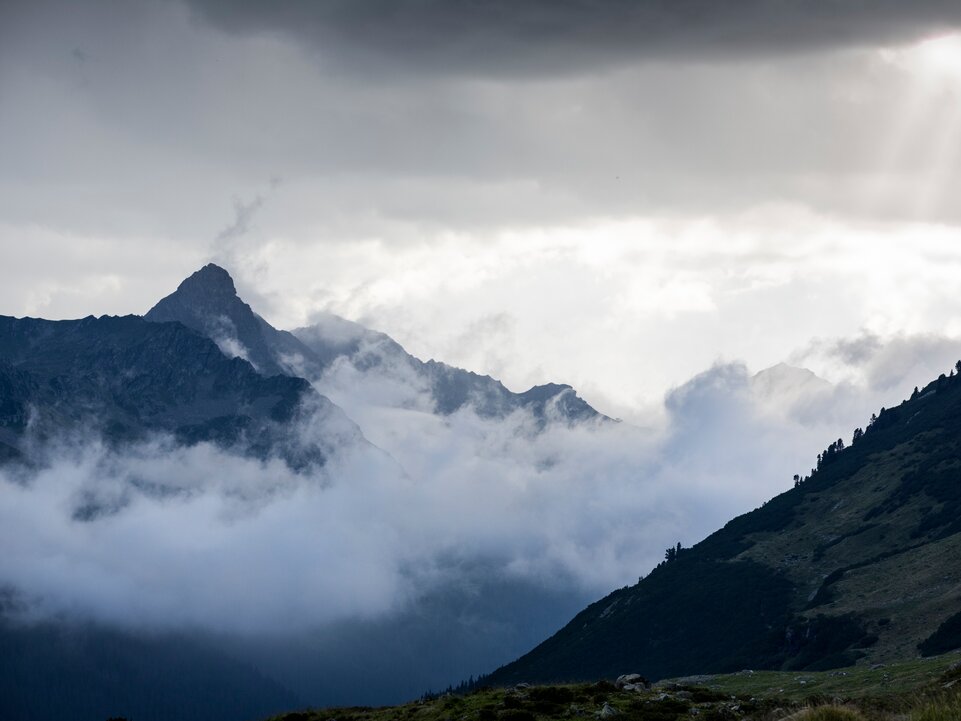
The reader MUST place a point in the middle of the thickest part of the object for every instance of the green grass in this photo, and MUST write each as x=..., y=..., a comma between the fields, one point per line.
x=941, y=710
x=893, y=679
x=917, y=690
x=538, y=703
x=827, y=713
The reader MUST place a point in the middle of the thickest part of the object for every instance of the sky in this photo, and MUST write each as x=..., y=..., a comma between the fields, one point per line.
x=613, y=195
x=651, y=201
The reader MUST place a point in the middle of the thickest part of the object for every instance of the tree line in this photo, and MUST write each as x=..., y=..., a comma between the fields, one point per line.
x=882, y=419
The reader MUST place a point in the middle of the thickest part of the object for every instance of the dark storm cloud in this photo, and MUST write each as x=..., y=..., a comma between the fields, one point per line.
x=549, y=36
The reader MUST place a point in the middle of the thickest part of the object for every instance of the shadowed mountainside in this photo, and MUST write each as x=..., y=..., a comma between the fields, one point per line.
x=857, y=562
x=124, y=380
x=208, y=303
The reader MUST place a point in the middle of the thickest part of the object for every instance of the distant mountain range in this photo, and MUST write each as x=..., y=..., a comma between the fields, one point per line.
x=207, y=302
x=857, y=563
x=201, y=365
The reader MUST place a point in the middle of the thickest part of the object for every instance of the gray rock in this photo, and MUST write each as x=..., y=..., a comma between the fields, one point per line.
x=607, y=711
x=628, y=678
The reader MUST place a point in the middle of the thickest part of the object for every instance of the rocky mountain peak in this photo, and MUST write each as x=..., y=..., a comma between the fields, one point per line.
x=211, y=283
x=208, y=293
x=207, y=302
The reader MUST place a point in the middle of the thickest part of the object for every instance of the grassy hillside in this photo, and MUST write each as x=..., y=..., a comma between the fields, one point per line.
x=877, y=683
x=857, y=563
x=919, y=690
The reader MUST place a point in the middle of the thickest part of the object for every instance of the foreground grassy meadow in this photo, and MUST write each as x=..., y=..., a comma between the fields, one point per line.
x=917, y=690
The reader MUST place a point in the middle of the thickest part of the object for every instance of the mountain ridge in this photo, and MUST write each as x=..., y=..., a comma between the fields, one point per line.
x=853, y=564
x=207, y=302
x=125, y=379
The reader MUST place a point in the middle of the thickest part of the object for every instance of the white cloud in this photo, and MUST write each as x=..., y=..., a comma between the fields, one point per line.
x=209, y=538
x=623, y=310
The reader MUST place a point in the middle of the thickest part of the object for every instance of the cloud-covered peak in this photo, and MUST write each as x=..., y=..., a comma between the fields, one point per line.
x=782, y=377
x=788, y=390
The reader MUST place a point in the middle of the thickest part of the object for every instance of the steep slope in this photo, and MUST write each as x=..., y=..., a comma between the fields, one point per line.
x=858, y=562
x=125, y=379
x=207, y=302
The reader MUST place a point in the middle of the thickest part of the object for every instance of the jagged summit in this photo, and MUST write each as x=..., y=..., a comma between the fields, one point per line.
x=207, y=302
x=210, y=290
x=212, y=281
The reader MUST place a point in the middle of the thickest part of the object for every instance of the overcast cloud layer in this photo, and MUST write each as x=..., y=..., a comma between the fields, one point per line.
x=610, y=194
x=558, y=37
